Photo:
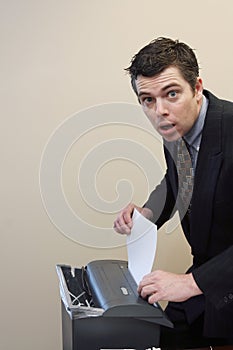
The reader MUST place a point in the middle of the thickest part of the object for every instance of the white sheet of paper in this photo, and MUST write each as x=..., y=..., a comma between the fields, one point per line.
x=141, y=246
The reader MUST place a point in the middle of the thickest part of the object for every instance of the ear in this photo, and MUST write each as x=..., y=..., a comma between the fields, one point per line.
x=199, y=89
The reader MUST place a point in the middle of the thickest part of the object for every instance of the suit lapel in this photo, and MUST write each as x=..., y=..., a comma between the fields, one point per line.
x=206, y=175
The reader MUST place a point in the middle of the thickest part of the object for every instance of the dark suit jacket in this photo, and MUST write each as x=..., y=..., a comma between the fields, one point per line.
x=210, y=232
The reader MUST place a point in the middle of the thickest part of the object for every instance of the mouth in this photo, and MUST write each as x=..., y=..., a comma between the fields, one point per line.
x=167, y=130
x=167, y=127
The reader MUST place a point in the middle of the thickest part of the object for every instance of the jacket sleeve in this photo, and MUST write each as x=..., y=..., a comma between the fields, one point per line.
x=162, y=202
x=215, y=279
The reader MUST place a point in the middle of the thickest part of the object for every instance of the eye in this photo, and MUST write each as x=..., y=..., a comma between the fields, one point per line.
x=172, y=93
x=146, y=100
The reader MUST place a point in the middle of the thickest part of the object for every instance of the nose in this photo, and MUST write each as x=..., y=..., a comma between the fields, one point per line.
x=161, y=107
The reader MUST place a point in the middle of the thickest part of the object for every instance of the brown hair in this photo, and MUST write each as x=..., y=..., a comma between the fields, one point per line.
x=161, y=53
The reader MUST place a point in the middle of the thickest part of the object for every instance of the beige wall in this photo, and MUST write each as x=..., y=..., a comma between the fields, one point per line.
x=57, y=58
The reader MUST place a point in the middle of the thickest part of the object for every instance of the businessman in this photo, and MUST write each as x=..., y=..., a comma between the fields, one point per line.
x=197, y=132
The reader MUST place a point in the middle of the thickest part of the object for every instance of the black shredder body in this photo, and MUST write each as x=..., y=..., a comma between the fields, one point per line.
x=87, y=327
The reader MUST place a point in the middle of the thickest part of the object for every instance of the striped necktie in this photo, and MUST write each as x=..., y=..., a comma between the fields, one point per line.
x=185, y=173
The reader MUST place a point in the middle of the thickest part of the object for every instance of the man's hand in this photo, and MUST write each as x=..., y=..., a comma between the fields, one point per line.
x=161, y=285
x=124, y=223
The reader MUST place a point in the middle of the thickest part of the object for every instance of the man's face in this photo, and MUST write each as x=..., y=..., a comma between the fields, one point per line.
x=169, y=102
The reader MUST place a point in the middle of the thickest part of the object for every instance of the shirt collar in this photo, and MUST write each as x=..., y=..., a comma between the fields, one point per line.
x=193, y=137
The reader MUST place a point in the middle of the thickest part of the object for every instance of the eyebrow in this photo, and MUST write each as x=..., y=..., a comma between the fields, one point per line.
x=169, y=86
x=143, y=93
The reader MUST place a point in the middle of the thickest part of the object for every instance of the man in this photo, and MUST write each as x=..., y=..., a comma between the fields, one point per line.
x=165, y=77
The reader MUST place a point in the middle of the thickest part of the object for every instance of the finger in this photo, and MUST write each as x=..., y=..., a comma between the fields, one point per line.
x=124, y=222
x=147, y=291
x=121, y=228
x=127, y=217
x=153, y=298
x=146, y=280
